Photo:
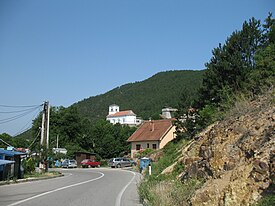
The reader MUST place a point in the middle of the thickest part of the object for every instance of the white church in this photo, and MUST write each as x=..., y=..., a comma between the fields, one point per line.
x=127, y=117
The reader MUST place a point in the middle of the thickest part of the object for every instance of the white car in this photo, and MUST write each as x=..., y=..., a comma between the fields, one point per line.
x=69, y=163
x=120, y=162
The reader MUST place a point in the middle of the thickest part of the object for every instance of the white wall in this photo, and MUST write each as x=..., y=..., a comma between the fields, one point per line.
x=122, y=120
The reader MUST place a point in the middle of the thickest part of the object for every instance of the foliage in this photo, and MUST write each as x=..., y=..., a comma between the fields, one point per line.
x=42, y=175
x=29, y=165
x=81, y=127
x=267, y=201
x=110, y=140
x=144, y=153
x=79, y=134
x=6, y=138
x=170, y=153
x=166, y=191
x=231, y=62
x=264, y=76
x=243, y=53
x=244, y=65
x=145, y=98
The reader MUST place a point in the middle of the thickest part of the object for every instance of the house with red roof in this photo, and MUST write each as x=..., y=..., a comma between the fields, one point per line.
x=154, y=134
x=127, y=117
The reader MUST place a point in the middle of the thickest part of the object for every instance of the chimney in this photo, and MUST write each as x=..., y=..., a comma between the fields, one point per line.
x=152, y=126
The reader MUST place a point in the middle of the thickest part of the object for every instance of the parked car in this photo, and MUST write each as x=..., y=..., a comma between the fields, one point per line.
x=120, y=162
x=69, y=163
x=89, y=163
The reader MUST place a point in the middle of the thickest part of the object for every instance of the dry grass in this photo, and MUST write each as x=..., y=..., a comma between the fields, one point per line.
x=168, y=192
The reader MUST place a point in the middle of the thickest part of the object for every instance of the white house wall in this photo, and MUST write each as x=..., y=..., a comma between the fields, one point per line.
x=122, y=120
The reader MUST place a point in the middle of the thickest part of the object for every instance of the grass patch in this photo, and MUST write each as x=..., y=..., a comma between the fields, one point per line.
x=171, y=152
x=39, y=175
x=166, y=190
x=267, y=201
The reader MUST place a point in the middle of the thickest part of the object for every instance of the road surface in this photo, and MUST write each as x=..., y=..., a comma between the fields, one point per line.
x=78, y=187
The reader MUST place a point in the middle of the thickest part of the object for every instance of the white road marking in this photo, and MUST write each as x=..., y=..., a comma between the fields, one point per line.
x=36, y=180
x=55, y=190
x=118, y=199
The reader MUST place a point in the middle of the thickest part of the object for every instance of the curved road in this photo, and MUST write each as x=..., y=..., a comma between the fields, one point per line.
x=79, y=187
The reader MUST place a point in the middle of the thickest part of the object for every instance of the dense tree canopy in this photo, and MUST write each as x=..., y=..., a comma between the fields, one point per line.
x=145, y=98
x=244, y=64
x=78, y=134
x=82, y=127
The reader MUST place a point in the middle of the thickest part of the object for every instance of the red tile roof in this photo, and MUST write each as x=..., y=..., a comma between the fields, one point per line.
x=151, y=130
x=123, y=113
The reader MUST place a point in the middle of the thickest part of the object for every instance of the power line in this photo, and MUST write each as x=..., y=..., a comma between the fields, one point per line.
x=3, y=121
x=18, y=111
x=14, y=106
x=38, y=133
x=28, y=125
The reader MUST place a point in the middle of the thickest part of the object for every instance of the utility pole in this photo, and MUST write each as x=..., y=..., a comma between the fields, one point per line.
x=45, y=134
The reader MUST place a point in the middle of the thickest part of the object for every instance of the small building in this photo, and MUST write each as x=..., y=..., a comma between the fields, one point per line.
x=167, y=112
x=154, y=134
x=127, y=117
x=11, y=165
x=79, y=156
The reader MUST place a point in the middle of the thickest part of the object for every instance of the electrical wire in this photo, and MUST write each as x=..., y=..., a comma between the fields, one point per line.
x=3, y=121
x=28, y=125
x=13, y=106
x=38, y=133
x=17, y=111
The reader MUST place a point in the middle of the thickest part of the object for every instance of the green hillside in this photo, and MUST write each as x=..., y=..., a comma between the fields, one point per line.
x=145, y=98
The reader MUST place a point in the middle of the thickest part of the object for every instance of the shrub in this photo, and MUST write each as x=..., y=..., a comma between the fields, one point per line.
x=267, y=201
x=29, y=165
x=165, y=191
x=144, y=153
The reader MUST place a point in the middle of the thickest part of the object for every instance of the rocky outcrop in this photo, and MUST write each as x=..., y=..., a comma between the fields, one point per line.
x=235, y=157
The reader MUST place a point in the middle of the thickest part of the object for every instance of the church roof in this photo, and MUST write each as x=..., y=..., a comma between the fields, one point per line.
x=123, y=113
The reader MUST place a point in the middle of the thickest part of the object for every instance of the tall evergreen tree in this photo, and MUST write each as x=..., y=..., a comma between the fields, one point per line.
x=231, y=62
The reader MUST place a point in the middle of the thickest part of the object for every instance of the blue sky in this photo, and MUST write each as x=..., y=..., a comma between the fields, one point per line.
x=64, y=51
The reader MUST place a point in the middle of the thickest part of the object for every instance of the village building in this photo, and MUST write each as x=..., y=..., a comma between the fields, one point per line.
x=154, y=134
x=11, y=164
x=127, y=117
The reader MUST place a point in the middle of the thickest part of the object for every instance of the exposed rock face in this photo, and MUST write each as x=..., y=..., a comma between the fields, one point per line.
x=235, y=156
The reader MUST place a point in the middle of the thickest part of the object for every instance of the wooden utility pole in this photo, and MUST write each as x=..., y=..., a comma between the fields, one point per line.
x=45, y=134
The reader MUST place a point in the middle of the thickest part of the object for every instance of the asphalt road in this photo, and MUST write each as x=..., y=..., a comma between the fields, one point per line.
x=79, y=187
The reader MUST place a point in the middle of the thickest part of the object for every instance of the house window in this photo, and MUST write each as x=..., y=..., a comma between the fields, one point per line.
x=154, y=146
x=148, y=146
x=138, y=147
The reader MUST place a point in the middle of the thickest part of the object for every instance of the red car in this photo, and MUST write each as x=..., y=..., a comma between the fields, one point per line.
x=89, y=163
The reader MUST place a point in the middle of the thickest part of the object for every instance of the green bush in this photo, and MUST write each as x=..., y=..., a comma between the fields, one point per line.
x=267, y=201
x=144, y=153
x=29, y=165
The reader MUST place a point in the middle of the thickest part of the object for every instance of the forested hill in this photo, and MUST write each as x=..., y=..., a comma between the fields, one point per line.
x=145, y=98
